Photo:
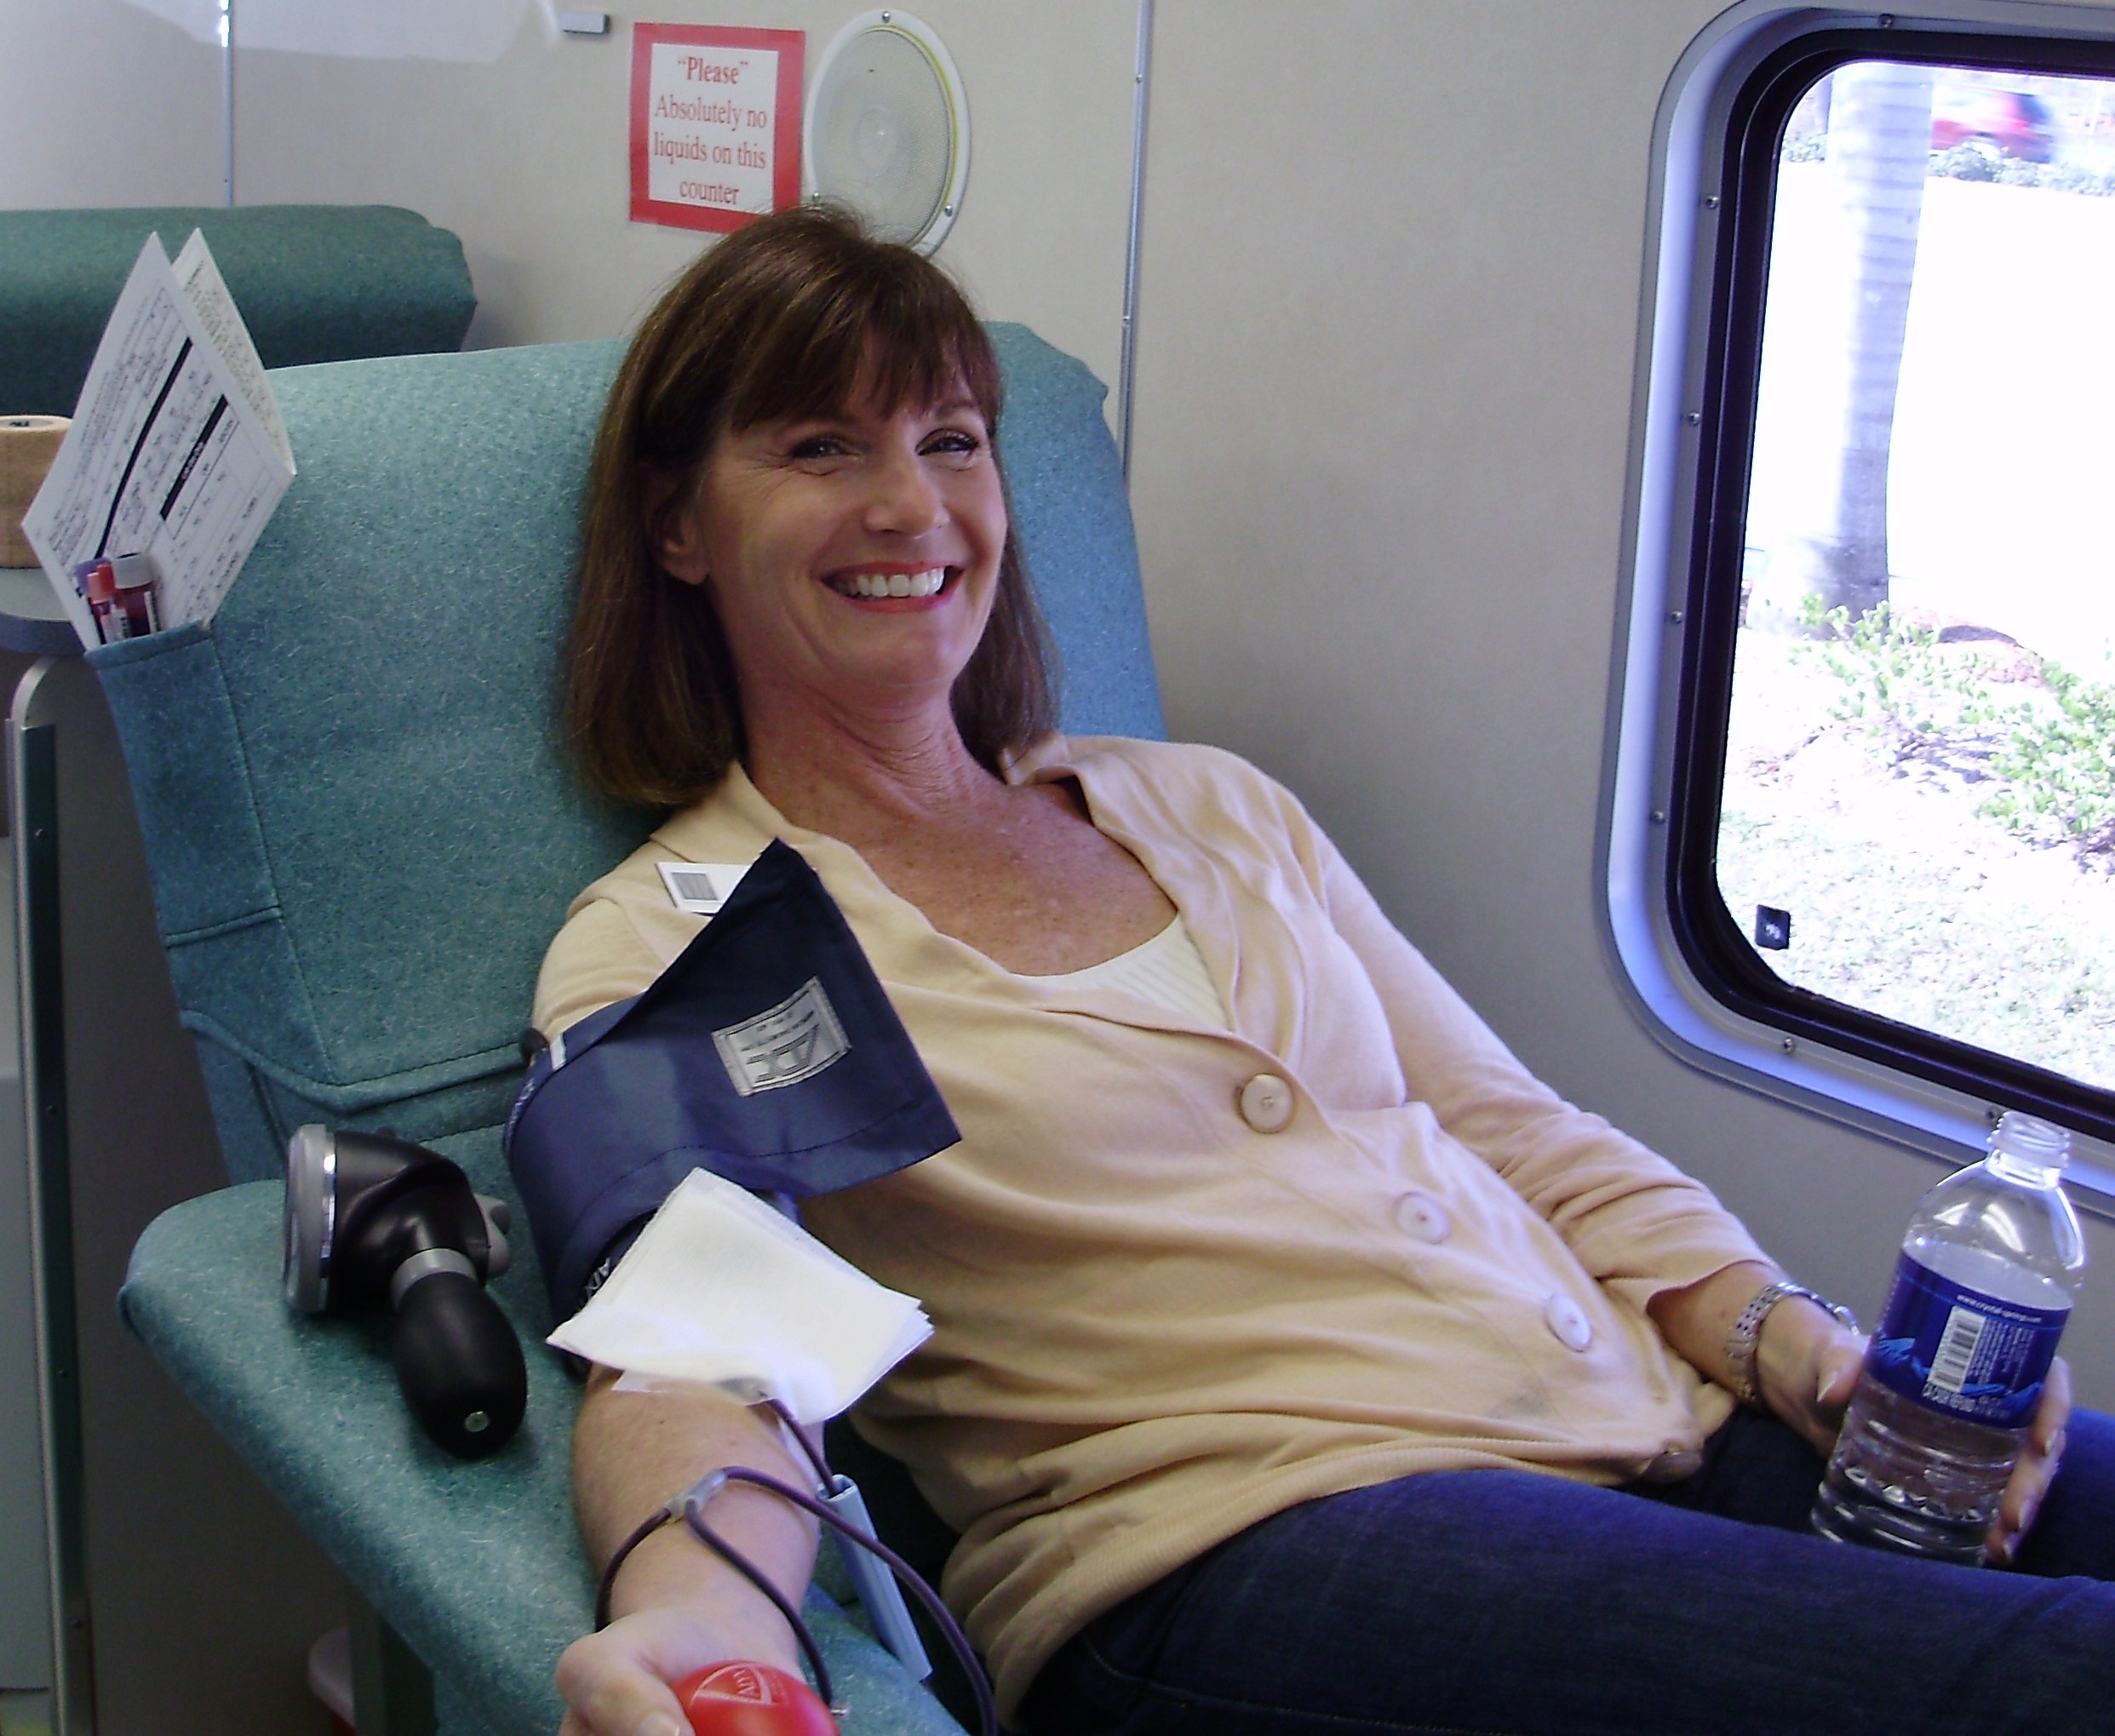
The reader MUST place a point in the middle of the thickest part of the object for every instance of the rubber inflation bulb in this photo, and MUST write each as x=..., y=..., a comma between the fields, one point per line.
x=459, y=1365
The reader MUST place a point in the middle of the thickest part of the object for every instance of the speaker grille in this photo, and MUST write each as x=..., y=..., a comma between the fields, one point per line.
x=885, y=133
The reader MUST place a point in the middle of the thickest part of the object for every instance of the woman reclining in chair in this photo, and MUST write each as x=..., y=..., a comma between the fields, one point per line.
x=1300, y=1362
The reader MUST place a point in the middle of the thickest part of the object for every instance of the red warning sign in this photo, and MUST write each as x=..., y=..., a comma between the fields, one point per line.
x=715, y=124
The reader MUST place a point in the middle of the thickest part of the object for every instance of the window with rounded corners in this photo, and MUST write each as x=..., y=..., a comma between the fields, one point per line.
x=1861, y=824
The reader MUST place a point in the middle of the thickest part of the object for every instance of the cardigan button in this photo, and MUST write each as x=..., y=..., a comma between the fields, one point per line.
x=1266, y=1103
x=1567, y=1322
x=1422, y=1217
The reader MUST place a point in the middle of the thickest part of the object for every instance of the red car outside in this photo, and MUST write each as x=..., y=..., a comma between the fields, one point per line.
x=2015, y=123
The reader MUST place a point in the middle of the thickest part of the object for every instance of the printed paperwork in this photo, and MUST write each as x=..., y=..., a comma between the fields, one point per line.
x=199, y=278
x=175, y=460
x=722, y=1290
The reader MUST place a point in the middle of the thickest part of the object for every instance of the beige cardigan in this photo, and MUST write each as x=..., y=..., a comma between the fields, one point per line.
x=1156, y=1322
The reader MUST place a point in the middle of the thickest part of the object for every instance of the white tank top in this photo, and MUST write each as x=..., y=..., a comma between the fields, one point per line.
x=1167, y=971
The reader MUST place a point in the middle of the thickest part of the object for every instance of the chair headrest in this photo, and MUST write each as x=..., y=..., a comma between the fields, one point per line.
x=315, y=283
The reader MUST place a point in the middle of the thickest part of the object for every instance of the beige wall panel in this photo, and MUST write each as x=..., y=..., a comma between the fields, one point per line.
x=1045, y=223
x=1389, y=317
x=106, y=103
x=523, y=154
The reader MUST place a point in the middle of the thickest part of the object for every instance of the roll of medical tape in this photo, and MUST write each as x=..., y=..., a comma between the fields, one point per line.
x=28, y=446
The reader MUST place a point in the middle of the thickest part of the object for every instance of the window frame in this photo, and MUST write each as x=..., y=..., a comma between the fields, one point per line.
x=1703, y=988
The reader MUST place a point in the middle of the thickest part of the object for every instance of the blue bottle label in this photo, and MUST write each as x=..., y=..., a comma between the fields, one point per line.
x=1962, y=1351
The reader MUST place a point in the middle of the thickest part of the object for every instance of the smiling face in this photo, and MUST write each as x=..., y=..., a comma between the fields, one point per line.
x=852, y=558
x=752, y=446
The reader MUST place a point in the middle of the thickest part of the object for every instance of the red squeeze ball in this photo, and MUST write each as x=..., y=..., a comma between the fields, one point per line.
x=751, y=1700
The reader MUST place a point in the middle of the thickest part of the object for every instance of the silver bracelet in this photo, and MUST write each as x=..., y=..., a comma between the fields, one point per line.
x=1741, y=1341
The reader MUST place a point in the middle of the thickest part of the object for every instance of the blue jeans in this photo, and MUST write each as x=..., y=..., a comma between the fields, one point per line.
x=1500, y=1600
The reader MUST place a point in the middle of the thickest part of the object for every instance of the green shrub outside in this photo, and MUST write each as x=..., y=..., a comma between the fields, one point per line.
x=1970, y=162
x=2052, y=753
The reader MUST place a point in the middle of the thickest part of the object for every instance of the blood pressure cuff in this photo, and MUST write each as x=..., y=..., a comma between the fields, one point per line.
x=767, y=1053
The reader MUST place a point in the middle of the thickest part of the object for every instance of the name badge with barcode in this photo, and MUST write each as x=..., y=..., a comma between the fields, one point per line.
x=794, y=1040
x=701, y=887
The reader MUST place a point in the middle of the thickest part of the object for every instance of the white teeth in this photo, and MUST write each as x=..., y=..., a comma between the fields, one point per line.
x=925, y=584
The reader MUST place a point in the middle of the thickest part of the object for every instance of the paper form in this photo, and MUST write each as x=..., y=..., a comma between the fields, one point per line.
x=167, y=457
x=202, y=287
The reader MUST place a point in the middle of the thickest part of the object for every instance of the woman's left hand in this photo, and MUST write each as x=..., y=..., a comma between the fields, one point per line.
x=1806, y=1365
x=2036, y=1468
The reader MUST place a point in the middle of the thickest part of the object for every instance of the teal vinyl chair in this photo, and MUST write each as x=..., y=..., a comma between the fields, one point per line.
x=315, y=283
x=362, y=836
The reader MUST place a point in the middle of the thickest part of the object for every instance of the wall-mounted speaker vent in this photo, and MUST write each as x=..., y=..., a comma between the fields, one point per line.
x=887, y=129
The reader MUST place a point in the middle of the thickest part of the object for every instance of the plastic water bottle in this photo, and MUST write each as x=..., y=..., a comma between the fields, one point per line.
x=1989, y=1266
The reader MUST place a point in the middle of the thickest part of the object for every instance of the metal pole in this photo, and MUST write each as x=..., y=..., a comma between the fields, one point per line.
x=393, y=1691
x=1127, y=376
x=33, y=775
x=228, y=103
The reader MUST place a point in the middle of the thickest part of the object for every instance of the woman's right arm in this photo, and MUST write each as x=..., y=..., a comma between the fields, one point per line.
x=678, y=1607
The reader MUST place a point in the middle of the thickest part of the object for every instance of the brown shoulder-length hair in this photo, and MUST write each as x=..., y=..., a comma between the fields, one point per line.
x=800, y=314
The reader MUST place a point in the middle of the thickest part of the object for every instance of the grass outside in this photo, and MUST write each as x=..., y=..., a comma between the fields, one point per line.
x=1906, y=900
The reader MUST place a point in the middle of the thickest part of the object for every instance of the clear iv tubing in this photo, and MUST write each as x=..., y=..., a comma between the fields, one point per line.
x=690, y=1505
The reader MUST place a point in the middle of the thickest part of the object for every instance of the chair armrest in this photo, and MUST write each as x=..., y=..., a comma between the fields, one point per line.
x=476, y=1565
